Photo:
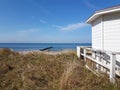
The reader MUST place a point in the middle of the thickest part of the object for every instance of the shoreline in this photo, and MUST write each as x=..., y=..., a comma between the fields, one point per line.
x=46, y=52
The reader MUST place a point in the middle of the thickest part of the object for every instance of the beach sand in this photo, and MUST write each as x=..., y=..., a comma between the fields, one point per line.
x=47, y=52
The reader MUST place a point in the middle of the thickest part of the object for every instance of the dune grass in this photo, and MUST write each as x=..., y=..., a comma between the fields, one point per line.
x=37, y=71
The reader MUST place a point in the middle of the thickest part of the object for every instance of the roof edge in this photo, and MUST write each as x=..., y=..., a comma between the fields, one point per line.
x=102, y=12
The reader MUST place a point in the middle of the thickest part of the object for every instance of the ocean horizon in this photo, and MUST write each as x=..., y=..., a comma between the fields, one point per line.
x=38, y=46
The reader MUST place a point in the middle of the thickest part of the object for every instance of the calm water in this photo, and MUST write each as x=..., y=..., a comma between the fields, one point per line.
x=37, y=46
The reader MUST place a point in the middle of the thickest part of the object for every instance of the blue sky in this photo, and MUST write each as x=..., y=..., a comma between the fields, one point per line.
x=41, y=21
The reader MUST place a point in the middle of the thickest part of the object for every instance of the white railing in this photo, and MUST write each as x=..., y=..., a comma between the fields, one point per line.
x=105, y=59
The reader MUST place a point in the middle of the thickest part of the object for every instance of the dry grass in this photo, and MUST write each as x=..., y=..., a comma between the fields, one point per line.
x=37, y=71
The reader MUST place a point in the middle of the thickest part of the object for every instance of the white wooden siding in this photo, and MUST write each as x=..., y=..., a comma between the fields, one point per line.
x=97, y=34
x=112, y=32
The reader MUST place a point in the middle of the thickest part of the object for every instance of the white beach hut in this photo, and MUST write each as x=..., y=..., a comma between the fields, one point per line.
x=105, y=41
x=106, y=29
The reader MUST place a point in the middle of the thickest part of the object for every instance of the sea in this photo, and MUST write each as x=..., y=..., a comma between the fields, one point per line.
x=39, y=46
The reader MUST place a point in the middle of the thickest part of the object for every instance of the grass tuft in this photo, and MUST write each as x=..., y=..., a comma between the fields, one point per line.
x=39, y=71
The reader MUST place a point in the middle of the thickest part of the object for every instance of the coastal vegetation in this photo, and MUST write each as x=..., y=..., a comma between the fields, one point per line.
x=40, y=71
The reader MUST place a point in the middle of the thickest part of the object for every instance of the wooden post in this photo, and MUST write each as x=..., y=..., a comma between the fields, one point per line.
x=78, y=51
x=85, y=54
x=98, y=59
x=94, y=54
x=102, y=61
x=112, y=67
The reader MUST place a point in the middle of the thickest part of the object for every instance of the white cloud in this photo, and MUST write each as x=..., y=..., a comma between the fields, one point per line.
x=43, y=21
x=29, y=30
x=20, y=36
x=56, y=26
x=89, y=4
x=74, y=26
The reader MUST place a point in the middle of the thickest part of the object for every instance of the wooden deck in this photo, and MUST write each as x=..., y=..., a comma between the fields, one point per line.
x=99, y=61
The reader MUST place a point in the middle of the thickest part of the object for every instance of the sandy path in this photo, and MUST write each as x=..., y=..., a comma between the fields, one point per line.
x=46, y=52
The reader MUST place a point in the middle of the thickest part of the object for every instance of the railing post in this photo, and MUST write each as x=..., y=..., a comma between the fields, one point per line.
x=98, y=59
x=112, y=67
x=94, y=54
x=85, y=54
x=78, y=51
